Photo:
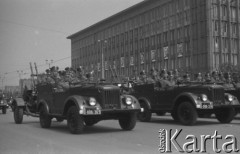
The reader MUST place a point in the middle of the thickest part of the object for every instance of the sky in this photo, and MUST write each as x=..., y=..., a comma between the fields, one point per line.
x=36, y=31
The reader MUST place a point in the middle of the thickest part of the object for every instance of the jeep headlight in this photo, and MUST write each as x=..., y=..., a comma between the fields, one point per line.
x=230, y=98
x=119, y=85
x=92, y=101
x=204, y=98
x=128, y=101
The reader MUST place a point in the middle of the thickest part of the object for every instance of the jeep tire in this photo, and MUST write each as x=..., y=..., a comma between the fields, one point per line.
x=225, y=115
x=128, y=121
x=18, y=114
x=146, y=115
x=4, y=110
x=44, y=118
x=75, y=121
x=186, y=113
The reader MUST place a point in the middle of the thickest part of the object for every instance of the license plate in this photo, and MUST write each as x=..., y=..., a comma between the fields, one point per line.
x=206, y=106
x=92, y=112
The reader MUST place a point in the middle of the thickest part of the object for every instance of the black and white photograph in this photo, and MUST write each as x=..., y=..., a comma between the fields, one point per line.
x=119, y=76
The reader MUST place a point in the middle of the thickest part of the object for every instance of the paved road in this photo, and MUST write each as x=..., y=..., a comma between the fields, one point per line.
x=106, y=137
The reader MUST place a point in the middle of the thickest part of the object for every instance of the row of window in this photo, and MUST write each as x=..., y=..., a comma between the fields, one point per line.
x=227, y=45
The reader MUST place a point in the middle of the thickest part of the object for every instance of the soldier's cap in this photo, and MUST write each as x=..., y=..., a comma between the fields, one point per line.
x=47, y=70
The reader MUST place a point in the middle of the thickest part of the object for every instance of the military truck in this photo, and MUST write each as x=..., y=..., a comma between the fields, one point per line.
x=3, y=104
x=186, y=101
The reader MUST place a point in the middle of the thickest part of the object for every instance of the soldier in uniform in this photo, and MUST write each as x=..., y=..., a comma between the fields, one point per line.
x=215, y=77
x=90, y=77
x=186, y=78
x=80, y=74
x=208, y=78
x=154, y=75
x=49, y=79
x=164, y=82
x=199, y=77
x=171, y=78
x=221, y=77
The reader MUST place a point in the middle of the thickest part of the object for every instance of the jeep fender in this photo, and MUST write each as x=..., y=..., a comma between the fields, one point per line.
x=146, y=101
x=189, y=96
x=43, y=103
x=18, y=102
x=136, y=104
x=75, y=100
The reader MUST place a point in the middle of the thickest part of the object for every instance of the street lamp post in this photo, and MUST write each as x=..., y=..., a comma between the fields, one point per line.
x=49, y=62
x=2, y=79
x=102, y=56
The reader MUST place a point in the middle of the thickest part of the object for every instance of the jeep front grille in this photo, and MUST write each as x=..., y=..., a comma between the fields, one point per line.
x=218, y=96
x=111, y=98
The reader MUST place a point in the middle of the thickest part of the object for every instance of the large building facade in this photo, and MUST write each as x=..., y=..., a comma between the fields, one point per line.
x=190, y=35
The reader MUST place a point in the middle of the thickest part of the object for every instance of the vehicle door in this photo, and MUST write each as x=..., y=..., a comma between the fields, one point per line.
x=164, y=96
x=59, y=98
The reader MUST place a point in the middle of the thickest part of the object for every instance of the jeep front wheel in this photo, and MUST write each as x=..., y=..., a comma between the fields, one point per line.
x=225, y=115
x=128, y=121
x=187, y=114
x=4, y=110
x=18, y=115
x=75, y=121
x=146, y=115
x=45, y=119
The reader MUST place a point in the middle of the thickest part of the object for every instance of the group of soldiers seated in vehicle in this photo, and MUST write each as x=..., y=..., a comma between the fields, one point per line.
x=166, y=78
x=64, y=79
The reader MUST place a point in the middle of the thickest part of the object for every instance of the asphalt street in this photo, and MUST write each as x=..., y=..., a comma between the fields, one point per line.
x=106, y=137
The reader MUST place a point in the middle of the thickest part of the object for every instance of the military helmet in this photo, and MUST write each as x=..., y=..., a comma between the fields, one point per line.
x=67, y=69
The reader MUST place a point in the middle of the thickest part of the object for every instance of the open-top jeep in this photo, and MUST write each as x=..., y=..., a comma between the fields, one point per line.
x=86, y=105
x=186, y=101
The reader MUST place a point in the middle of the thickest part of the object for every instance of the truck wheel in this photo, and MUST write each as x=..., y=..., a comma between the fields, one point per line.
x=4, y=110
x=128, y=122
x=45, y=119
x=161, y=113
x=90, y=122
x=75, y=121
x=146, y=115
x=225, y=115
x=187, y=113
x=18, y=115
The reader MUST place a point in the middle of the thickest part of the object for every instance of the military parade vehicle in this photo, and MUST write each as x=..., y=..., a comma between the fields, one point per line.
x=87, y=104
x=3, y=104
x=82, y=104
x=186, y=101
x=27, y=103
